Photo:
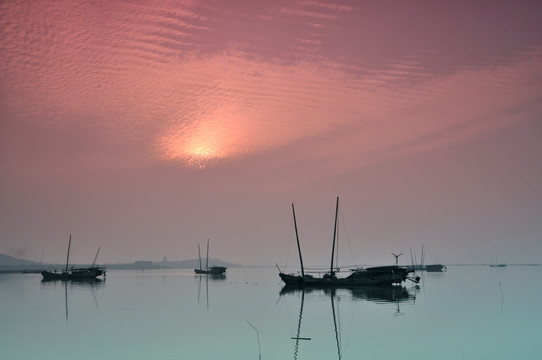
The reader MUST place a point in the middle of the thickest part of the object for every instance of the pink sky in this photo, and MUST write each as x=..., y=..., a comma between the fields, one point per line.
x=147, y=127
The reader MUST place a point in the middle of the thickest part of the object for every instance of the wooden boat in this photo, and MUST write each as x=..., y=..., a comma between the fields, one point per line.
x=213, y=270
x=435, y=268
x=87, y=273
x=496, y=263
x=379, y=275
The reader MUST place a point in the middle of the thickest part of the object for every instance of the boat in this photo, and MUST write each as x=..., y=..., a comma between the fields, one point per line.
x=87, y=273
x=371, y=276
x=435, y=268
x=497, y=264
x=213, y=270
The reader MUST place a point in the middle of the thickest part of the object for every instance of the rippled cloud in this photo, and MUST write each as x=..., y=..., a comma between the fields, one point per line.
x=199, y=82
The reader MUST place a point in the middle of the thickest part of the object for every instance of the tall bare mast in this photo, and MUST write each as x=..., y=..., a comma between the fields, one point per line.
x=199, y=255
x=207, y=260
x=68, y=257
x=334, y=235
x=94, y=262
x=298, y=246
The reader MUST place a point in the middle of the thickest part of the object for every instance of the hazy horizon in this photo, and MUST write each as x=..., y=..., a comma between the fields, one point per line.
x=147, y=128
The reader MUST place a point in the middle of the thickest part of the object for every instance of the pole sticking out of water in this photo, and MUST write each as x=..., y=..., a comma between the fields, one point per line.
x=258, y=337
x=502, y=297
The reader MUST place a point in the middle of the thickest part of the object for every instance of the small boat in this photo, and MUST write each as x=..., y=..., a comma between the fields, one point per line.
x=378, y=275
x=435, y=268
x=213, y=270
x=88, y=273
x=497, y=263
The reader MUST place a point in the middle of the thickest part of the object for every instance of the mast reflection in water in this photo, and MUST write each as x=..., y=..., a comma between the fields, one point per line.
x=74, y=284
x=376, y=294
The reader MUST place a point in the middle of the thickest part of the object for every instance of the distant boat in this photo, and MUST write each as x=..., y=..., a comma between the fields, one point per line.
x=213, y=270
x=429, y=268
x=435, y=268
x=88, y=273
x=497, y=264
x=379, y=275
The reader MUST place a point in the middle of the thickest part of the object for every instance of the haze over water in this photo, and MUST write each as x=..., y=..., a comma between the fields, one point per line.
x=465, y=313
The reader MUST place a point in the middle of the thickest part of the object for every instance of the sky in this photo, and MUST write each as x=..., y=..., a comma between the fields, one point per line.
x=147, y=127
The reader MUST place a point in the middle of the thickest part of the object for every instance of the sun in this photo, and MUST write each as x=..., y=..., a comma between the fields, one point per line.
x=196, y=150
x=216, y=135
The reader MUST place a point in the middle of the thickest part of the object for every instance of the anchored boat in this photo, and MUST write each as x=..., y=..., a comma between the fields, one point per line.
x=379, y=275
x=88, y=273
x=213, y=270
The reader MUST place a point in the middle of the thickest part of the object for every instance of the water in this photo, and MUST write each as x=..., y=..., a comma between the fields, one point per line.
x=466, y=312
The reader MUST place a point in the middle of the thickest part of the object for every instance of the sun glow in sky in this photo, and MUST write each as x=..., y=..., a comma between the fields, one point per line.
x=116, y=105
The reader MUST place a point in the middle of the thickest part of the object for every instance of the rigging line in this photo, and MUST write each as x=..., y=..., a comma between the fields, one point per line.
x=289, y=243
x=337, y=253
x=345, y=230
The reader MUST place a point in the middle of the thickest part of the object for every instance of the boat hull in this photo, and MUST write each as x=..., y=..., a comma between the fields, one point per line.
x=385, y=275
x=49, y=275
x=435, y=268
x=74, y=274
x=213, y=270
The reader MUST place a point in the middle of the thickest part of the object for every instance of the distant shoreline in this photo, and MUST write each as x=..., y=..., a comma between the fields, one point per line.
x=36, y=269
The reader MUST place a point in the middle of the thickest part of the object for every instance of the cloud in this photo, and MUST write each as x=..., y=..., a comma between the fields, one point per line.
x=136, y=81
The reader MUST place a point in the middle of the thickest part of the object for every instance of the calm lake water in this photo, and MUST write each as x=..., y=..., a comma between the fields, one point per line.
x=474, y=312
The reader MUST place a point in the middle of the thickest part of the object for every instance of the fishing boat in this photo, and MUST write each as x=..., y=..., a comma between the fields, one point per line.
x=87, y=273
x=213, y=270
x=435, y=268
x=379, y=275
x=496, y=263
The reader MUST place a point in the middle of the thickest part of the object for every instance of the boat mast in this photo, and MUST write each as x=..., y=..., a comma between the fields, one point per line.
x=207, y=261
x=68, y=257
x=94, y=262
x=334, y=235
x=199, y=255
x=298, y=247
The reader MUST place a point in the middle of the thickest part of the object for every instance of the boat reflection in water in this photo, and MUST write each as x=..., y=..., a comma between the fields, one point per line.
x=75, y=284
x=200, y=277
x=377, y=294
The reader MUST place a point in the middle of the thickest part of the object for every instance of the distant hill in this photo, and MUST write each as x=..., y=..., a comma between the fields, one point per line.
x=6, y=260
x=183, y=264
x=9, y=262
